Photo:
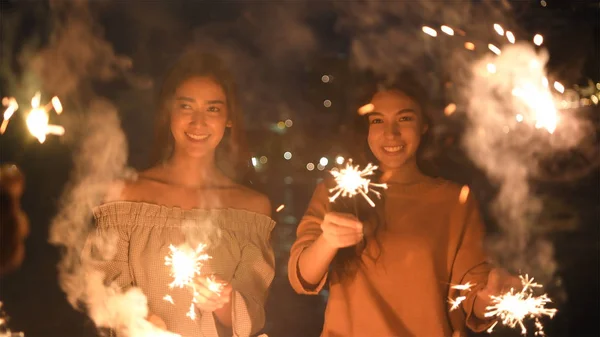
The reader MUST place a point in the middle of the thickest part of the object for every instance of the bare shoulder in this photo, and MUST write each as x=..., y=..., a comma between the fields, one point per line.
x=254, y=201
x=133, y=189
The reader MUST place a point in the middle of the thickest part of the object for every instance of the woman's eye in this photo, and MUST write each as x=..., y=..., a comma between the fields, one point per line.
x=376, y=121
x=213, y=109
x=185, y=106
x=406, y=118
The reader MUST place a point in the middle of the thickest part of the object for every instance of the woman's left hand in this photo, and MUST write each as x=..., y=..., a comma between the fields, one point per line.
x=206, y=298
x=499, y=282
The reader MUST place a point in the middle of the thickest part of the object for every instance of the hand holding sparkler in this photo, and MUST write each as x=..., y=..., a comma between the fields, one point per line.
x=341, y=230
x=499, y=282
x=211, y=294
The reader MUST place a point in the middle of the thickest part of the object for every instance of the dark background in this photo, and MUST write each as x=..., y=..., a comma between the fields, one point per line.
x=153, y=33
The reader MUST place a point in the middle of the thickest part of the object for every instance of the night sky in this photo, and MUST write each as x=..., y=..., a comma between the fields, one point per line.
x=279, y=52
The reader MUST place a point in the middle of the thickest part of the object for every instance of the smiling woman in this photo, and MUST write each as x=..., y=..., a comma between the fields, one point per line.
x=194, y=195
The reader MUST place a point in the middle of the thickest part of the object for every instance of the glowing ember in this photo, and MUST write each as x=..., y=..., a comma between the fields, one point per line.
x=352, y=181
x=57, y=105
x=510, y=37
x=512, y=308
x=168, y=298
x=37, y=123
x=499, y=29
x=447, y=30
x=192, y=312
x=455, y=303
x=365, y=109
x=214, y=285
x=559, y=87
x=11, y=106
x=494, y=49
x=429, y=31
x=281, y=207
x=464, y=194
x=538, y=39
x=469, y=46
x=185, y=264
x=449, y=109
x=466, y=286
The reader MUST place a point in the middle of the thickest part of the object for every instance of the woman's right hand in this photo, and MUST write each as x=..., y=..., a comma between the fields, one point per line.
x=341, y=229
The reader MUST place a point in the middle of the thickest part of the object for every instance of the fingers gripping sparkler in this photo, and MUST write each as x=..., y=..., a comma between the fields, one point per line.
x=352, y=181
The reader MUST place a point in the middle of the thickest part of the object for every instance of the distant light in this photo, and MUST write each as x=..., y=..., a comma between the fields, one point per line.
x=559, y=87
x=449, y=109
x=429, y=31
x=339, y=160
x=538, y=39
x=310, y=166
x=365, y=109
x=491, y=68
x=594, y=99
x=287, y=155
x=598, y=86
x=281, y=207
x=288, y=123
x=281, y=125
x=325, y=78
x=323, y=161
x=469, y=46
x=254, y=161
x=327, y=103
x=519, y=118
x=543, y=3
x=288, y=180
x=510, y=36
x=263, y=159
x=494, y=49
x=499, y=29
x=447, y=30
x=320, y=167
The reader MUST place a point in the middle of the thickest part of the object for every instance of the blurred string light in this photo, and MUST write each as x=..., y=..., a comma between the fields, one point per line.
x=339, y=160
x=327, y=103
x=287, y=155
x=429, y=31
x=310, y=166
x=499, y=29
x=538, y=39
x=288, y=123
x=323, y=161
x=325, y=78
x=254, y=161
x=263, y=159
x=320, y=167
x=510, y=37
x=447, y=30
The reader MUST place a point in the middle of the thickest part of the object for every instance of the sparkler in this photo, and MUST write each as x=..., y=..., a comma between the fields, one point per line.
x=37, y=119
x=513, y=307
x=186, y=264
x=352, y=181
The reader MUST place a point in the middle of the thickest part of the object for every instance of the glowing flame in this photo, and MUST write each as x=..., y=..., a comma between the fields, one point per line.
x=512, y=308
x=352, y=181
x=37, y=123
x=510, y=37
x=449, y=109
x=186, y=264
x=447, y=30
x=559, y=87
x=214, y=285
x=499, y=29
x=494, y=49
x=464, y=194
x=538, y=39
x=365, y=109
x=429, y=31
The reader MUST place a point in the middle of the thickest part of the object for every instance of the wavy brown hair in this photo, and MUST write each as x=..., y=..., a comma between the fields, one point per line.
x=348, y=259
x=231, y=156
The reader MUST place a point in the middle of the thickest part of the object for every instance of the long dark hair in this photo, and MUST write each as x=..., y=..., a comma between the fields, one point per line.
x=348, y=259
x=232, y=156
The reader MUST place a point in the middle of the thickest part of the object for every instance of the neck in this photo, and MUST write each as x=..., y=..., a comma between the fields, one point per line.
x=192, y=172
x=406, y=174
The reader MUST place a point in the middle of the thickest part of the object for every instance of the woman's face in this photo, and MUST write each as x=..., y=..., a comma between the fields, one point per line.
x=395, y=129
x=199, y=117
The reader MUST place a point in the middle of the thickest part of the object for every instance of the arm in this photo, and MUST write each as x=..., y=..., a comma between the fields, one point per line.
x=319, y=236
x=470, y=265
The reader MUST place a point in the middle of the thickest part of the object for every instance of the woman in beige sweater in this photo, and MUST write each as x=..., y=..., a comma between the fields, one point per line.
x=192, y=196
x=391, y=269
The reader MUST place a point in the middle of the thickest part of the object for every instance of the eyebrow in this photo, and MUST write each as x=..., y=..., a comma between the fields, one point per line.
x=407, y=110
x=216, y=101
x=191, y=100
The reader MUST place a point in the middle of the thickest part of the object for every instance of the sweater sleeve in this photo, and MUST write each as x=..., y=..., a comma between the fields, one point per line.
x=308, y=231
x=470, y=264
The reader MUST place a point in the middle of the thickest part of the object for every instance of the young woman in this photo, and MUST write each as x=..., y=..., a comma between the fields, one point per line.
x=193, y=195
x=391, y=269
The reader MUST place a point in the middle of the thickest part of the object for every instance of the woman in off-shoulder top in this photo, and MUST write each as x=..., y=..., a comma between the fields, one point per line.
x=192, y=196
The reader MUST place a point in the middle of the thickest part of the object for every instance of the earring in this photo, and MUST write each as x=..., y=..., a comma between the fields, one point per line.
x=229, y=124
